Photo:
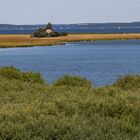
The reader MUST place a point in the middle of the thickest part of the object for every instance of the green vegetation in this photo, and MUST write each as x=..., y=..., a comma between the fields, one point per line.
x=129, y=82
x=12, y=73
x=69, y=109
x=48, y=32
x=41, y=33
x=72, y=81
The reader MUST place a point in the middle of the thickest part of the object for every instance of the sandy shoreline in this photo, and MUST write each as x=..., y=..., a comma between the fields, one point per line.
x=26, y=40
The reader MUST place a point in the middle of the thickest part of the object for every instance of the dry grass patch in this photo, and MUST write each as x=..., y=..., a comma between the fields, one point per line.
x=27, y=40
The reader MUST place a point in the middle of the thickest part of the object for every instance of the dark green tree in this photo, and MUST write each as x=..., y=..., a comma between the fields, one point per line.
x=49, y=26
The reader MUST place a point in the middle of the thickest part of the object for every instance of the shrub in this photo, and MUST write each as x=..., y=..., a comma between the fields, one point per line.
x=32, y=77
x=73, y=81
x=10, y=73
x=39, y=33
x=34, y=111
x=42, y=33
x=63, y=34
x=128, y=82
x=13, y=73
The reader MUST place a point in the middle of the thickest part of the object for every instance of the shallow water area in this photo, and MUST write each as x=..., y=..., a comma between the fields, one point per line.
x=99, y=61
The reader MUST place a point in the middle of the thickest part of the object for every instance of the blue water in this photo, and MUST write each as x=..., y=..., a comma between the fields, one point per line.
x=99, y=61
x=74, y=28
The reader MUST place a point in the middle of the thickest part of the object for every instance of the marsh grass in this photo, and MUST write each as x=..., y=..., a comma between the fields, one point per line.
x=26, y=40
x=38, y=111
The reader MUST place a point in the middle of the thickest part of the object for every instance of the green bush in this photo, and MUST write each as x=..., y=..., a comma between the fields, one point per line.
x=73, y=81
x=13, y=73
x=30, y=110
x=128, y=82
x=10, y=73
x=32, y=77
x=62, y=34
x=39, y=33
x=42, y=33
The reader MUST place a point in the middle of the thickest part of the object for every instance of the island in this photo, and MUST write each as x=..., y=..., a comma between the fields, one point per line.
x=47, y=36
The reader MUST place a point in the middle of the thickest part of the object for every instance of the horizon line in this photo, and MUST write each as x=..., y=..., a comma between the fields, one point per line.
x=73, y=23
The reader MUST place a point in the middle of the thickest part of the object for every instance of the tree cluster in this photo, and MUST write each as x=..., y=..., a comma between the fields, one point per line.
x=42, y=32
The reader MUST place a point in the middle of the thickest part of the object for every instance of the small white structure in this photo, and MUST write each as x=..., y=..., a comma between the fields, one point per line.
x=49, y=31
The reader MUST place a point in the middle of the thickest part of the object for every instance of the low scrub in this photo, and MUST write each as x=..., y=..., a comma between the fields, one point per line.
x=13, y=73
x=73, y=81
x=128, y=82
x=68, y=110
x=41, y=33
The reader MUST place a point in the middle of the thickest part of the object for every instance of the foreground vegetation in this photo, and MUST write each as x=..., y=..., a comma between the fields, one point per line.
x=69, y=109
x=27, y=40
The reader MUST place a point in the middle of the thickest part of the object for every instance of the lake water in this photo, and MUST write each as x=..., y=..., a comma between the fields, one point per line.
x=99, y=61
x=75, y=28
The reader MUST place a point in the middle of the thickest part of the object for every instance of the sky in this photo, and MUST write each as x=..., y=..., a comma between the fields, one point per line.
x=68, y=11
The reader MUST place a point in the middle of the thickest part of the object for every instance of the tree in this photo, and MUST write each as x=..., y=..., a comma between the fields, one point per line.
x=49, y=26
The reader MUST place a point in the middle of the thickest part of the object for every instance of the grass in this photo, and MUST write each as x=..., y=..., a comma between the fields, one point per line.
x=27, y=40
x=69, y=109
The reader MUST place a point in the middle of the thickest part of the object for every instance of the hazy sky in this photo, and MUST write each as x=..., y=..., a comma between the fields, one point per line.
x=68, y=11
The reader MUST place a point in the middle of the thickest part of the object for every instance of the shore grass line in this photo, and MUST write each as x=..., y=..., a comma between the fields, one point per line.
x=28, y=41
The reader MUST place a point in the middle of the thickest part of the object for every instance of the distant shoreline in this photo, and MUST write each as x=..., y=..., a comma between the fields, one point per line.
x=11, y=41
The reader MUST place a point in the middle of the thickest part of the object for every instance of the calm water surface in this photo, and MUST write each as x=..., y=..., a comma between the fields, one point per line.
x=100, y=61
